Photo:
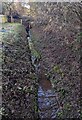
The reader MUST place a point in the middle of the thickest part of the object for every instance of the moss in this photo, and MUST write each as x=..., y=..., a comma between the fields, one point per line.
x=62, y=92
x=55, y=81
x=35, y=54
x=58, y=70
x=35, y=51
x=36, y=101
x=67, y=106
x=2, y=110
x=60, y=114
x=81, y=114
x=33, y=76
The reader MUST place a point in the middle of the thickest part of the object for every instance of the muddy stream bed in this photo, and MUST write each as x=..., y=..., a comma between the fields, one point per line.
x=48, y=105
x=47, y=101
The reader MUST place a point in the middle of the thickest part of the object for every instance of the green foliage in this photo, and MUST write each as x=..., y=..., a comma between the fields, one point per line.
x=62, y=92
x=60, y=114
x=2, y=109
x=58, y=70
x=79, y=37
x=36, y=56
x=54, y=81
x=67, y=106
x=81, y=114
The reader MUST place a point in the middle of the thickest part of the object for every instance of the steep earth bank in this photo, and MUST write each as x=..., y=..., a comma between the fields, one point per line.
x=55, y=35
x=19, y=80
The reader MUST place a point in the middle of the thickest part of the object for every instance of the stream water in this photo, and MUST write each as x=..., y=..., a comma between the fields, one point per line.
x=47, y=102
x=3, y=30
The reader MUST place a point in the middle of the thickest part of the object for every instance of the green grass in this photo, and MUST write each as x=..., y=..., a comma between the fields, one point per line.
x=36, y=54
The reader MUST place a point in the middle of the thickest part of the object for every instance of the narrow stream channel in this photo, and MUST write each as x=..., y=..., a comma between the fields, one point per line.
x=48, y=105
x=47, y=102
